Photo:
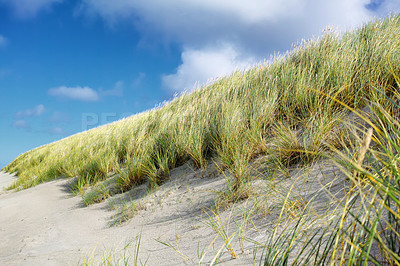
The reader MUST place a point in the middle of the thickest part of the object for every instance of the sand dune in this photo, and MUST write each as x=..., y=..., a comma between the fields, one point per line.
x=47, y=225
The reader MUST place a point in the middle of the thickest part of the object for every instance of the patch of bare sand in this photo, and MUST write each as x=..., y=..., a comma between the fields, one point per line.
x=5, y=181
x=46, y=225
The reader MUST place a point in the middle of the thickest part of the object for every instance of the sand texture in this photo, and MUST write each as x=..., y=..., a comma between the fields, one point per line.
x=47, y=225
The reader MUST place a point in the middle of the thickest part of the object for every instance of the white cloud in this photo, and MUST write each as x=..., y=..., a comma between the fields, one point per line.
x=3, y=40
x=200, y=65
x=21, y=124
x=117, y=90
x=75, y=93
x=201, y=22
x=252, y=29
x=249, y=12
x=36, y=111
x=28, y=8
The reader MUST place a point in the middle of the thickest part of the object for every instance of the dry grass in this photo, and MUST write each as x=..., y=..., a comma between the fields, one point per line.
x=284, y=108
x=291, y=110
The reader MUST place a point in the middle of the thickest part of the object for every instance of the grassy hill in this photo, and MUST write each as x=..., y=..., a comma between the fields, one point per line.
x=291, y=111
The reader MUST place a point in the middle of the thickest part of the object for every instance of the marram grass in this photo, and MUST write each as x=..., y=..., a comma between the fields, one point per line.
x=283, y=108
x=293, y=110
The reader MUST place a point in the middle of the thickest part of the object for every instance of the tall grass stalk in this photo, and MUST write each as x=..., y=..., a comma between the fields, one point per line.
x=279, y=107
x=371, y=232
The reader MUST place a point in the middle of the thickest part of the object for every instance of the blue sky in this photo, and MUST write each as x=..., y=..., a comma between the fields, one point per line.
x=69, y=65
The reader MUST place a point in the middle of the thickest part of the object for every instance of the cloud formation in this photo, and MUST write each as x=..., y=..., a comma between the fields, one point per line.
x=253, y=29
x=200, y=65
x=36, y=111
x=26, y=9
x=78, y=93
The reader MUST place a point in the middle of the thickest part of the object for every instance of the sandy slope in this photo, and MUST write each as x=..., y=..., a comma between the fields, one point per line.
x=46, y=225
x=5, y=181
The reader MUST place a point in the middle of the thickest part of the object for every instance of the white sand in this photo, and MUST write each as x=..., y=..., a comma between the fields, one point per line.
x=46, y=225
x=6, y=180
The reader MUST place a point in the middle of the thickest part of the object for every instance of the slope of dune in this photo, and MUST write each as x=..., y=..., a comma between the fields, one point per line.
x=46, y=225
x=275, y=164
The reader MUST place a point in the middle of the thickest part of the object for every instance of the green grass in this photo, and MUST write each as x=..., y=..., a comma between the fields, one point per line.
x=292, y=110
x=283, y=108
x=370, y=231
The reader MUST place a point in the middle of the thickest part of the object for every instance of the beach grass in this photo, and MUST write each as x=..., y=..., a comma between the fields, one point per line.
x=293, y=110
x=282, y=107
